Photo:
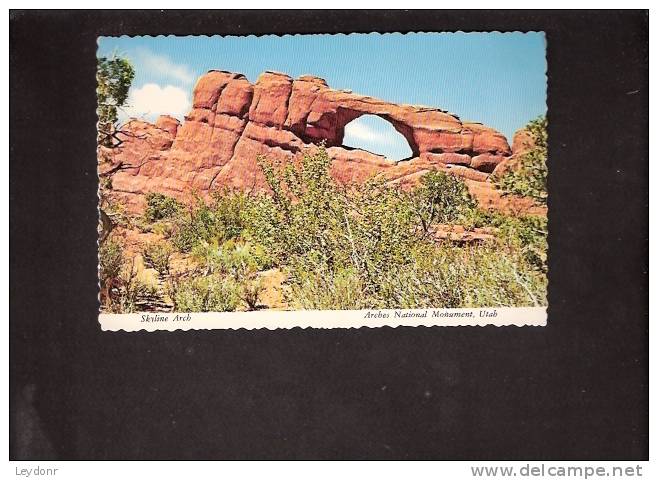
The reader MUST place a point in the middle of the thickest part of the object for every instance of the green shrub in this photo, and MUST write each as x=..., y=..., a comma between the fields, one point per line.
x=157, y=255
x=371, y=245
x=120, y=287
x=110, y=256
x=159, y=207
x=131, y=289
x=239, y=259
x=229, y=208
x=529, y=180
x=442, y=198
x=250, y=293
x=368, y=245
x=206, y=294
x=223, y=219
x=526, y=233
x=466, y=276
x=322, y=288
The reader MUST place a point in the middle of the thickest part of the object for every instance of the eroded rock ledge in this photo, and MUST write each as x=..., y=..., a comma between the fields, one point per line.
x=233, y=121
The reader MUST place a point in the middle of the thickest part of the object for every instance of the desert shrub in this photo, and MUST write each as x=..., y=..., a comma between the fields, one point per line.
x=159, y=207
x=250, y=293
x=308, y=207
x=442, y=198
x=529, y=234
x=193, y=227
x=229, y=207
x=157, y=255
x=129, y=290
x=110, y=259
x=222, y=219
x=120, y=287
x=530, y=178
x=525, y=233
x=368, y=245
x=323, y=288
x=164, y=228
x=206, y=294
x=237, y=258
x=264, y=226
x=466, y=276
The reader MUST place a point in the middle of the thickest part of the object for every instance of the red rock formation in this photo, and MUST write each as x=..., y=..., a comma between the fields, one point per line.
x=233, y=121
x=522, y=143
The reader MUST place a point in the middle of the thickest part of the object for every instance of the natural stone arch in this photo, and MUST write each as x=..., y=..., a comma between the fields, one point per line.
x=232, y=122
x=345, y=116
x=393, y=137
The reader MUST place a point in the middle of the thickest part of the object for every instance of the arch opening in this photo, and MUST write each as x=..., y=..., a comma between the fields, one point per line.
x=376, y=135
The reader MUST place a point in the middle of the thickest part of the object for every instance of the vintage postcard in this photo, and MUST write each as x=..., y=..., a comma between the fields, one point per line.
x=325, y=181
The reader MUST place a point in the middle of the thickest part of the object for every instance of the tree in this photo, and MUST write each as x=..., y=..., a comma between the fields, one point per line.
x=114, y=76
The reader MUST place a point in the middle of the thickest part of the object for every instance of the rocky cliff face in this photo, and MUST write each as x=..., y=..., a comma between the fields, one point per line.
x=233, y=121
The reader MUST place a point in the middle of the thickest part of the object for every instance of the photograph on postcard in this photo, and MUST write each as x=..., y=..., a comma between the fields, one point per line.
x=322, y=180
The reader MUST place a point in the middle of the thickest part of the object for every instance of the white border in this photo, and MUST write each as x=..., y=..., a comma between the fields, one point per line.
x=272, y=319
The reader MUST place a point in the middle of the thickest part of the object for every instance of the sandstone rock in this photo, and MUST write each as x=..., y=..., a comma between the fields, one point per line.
x=304, y=93
x=523, y=142
x=235, y=98
x=508, y=164
x=313, y=79
x=458, y=234
x=274, y=137
x=233, y=121
x=469, y=173
x=270, y=100
x=356, y=165
x=209, y=87
x=140, y=135
x=194, y=136
x=168, y=124
x=446, y=158
x=486, y=162
x=486, y=140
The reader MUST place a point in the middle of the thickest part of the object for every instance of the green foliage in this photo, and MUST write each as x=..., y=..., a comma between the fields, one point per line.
x=129, y=291
x=229, y=207
x=529, y=180
x=368, y=245
x=372, y=245
x=442, y=198
x=110, y=256
x=324, y=288
x=120, y=287
x=160, y=207
x=250, y=292
x=114, y=77
x=238, y=259
x=206, y=294
x=221, y=220
x=157, y=255
x=526, y=233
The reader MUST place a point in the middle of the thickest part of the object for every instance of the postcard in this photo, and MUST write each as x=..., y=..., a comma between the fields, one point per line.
x=322, y=181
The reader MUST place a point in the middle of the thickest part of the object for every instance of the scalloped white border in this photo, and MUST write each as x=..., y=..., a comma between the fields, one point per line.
x=272, y=319
x=324, y=319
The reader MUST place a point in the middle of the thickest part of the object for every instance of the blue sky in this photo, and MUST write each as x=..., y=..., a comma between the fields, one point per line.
x=498, y=79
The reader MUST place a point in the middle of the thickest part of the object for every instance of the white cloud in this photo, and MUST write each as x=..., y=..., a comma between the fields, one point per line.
x=152, y=100
x=358, y=131
x=162, y=65
x=376, y=135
